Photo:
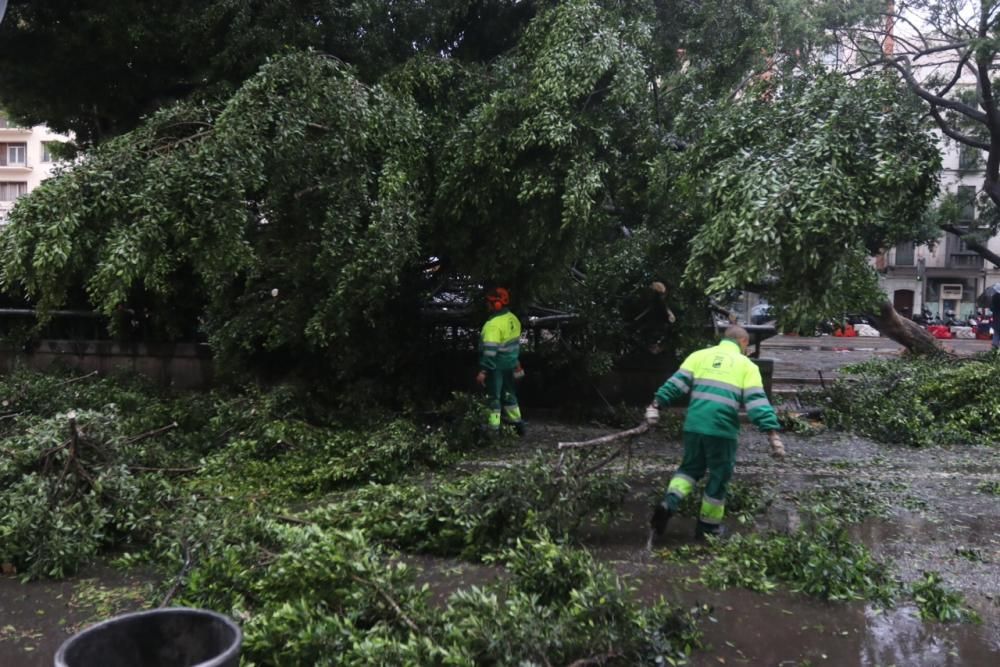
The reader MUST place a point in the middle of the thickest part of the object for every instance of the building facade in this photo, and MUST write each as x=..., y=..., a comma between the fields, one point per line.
x=946, y=276
x=26, y=159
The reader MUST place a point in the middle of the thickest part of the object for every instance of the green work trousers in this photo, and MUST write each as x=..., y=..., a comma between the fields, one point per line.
x=716, y=454
x=500, y=389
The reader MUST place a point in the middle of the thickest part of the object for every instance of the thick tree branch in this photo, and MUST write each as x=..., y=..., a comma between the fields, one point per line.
x=907, y=333
x=928, y=96
x=955, y=134
x=972, y=244
x=958, y=73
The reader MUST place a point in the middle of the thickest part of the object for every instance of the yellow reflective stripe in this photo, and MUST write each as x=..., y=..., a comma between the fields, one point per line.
x=712, y=510
x=715, y=398
x=513, y=411
x=680, y=485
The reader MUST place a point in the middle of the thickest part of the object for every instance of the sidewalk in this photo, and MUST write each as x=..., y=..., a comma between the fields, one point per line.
x=960, y=346
x=808, y=361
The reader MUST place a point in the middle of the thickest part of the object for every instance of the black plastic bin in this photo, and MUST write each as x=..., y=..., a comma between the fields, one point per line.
x=174, y=637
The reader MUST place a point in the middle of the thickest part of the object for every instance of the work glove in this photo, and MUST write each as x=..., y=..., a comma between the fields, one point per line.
x=777, y=447
x=519, y=372
x=481, y=379
x=652, y=414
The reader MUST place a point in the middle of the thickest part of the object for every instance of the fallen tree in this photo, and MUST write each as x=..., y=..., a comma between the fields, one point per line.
x=906, y=332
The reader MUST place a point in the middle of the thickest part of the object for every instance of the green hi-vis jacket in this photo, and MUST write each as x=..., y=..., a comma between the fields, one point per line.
x=719, y=379
x=500, y=342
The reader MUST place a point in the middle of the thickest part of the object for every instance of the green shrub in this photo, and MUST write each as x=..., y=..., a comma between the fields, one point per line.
x=479, y=514
x=919, y=402
x=67, y=491
x=820, y=561
x=149, y=469
x=309, y=596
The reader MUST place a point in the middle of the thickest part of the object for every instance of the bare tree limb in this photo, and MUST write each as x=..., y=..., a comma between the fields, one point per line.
x=178, y=471
x=948, y=130
x=392, y=603
x=928, y=96
x=180, y=576
x=973, y=244
x=605, y=439
x=149, y=434
x=78, y=379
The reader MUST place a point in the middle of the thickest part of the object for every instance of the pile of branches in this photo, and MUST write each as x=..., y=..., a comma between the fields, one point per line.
x=919, y=401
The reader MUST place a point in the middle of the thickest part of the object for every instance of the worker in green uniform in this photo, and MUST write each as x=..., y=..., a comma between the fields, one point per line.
x=719, y=380
x=499, y=348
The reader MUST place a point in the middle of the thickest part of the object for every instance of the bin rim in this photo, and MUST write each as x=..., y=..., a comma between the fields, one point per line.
x=231, y=651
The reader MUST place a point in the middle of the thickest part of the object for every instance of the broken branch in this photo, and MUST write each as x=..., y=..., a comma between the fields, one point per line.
x=392, y=603
x=149, y=434
x=77, y=379
x=605, y=439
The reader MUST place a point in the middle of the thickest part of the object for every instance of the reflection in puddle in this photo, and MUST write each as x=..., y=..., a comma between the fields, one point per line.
x=899, y=637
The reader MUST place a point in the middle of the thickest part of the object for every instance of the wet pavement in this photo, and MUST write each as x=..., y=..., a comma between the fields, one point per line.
x=800, y=360
x=38, y=616
x=936, y=516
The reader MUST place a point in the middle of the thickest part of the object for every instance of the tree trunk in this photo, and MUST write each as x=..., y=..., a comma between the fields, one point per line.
x=906, y=332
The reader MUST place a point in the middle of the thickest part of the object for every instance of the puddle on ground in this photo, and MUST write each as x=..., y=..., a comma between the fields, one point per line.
x=789, y=629
x=38, y=616
x=792, y=629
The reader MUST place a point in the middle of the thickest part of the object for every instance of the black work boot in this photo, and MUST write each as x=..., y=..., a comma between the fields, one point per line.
x=661, y=516
x=658, y=522
x=521, y=428
x=703, y=530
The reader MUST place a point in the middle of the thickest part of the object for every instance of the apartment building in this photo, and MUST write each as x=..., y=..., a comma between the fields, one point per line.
x=26, y=159
x=947, y=276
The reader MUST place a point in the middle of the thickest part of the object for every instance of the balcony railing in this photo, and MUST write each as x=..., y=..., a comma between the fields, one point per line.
x=964, y=261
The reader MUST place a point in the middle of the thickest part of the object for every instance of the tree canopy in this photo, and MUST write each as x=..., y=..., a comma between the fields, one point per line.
x=96, y=68
x=289, y=210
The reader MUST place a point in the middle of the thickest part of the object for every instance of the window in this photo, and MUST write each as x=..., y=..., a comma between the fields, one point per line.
x=968, y=157
x=13, y=155
x=11, y=190
x=967, y=203
x=904, y=253
x=47, y=151
x=17, y=153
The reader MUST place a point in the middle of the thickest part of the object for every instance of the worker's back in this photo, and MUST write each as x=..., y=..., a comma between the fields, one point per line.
x=719, y=380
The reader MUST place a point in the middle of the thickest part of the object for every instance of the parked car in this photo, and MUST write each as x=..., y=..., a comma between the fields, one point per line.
x=761, y=313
